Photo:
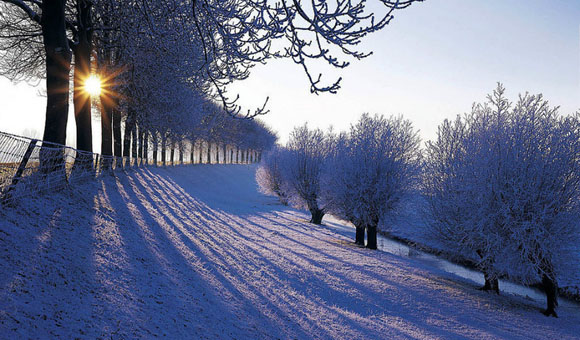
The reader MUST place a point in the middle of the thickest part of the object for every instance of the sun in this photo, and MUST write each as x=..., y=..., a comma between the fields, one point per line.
x=93, y=85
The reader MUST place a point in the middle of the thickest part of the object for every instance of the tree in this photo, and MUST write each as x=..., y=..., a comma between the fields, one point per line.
x=270, y=175
x=302, y=169
x=503, y=188
x=372, y=170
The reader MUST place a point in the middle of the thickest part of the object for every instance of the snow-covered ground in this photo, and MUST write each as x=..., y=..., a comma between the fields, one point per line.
x=195, y=252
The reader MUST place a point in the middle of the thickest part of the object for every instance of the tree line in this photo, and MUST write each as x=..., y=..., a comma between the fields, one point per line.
x=166, y=64
x=500, y=185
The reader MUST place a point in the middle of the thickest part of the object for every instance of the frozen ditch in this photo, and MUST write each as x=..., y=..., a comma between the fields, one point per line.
x=506, y=287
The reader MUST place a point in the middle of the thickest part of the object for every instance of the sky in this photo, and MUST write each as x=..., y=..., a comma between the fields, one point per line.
x=433, y=61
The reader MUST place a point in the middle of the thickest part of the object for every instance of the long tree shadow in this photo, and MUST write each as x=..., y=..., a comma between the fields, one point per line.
x=278, y=274
x=503, y=304
x=45, y=272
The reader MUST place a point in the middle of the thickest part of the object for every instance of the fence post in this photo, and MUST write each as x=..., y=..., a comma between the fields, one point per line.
x=21, y=169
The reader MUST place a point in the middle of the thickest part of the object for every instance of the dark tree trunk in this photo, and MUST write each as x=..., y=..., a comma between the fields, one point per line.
x=117, y=130
x=134, y=140
x=200, y=153
x=82, y=71
x=181, y=151
x=140, y=146
x=106, y=135
x=231, y=156
x=106, y=130
x=172, y=153
x=155, y=147
x=360, y=236
x=145, y=147
x=58, y=62
x=191, y=158
x=317, y=215
x=490, y=284
x=372, y=237
x=129, y=123
x=550, y=287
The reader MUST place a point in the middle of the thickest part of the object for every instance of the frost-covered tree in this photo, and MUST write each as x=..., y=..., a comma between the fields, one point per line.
x=302, y=167
x=503, y=189
x=372, y=169
x=270, y=175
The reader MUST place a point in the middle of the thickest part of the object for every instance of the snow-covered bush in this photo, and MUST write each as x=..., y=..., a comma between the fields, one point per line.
x=503, y=189
x=302, y=165
x=269, y=175
x=371, y=169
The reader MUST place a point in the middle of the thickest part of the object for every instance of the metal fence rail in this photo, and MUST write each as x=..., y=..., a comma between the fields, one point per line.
x=31, y=167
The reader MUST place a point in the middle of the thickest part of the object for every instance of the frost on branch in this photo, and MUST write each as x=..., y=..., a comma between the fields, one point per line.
x=503, y=188
x=371, y=170
x=269, y=175
x=302, y=166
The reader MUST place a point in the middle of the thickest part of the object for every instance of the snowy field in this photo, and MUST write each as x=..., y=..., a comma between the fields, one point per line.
x=195, y=252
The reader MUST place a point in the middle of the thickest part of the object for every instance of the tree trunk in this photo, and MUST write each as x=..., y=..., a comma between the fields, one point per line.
x=117, y=129
x=129, y=122
x=140, y=146
x=58, y=58
x=106, y=134
x=82, y=71
x=317, y=215
x=106, y=130
x=200, y=153
x=551, y=288
x=145, y=140
x=155, y=147
x=172, y=153
x=134, y=140
x=360, y=236
x=107, y=107
x=191, y=158
x=372, y=237
x=491, y=284
x=181, y=152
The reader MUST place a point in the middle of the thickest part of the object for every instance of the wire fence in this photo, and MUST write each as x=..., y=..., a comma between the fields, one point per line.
x=31, y=167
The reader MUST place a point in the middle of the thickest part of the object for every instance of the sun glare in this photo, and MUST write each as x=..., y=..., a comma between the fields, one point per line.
x=93, y=85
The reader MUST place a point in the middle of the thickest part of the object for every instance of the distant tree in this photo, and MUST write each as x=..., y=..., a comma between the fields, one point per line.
x=302, y=167
x=503, y=188
x=270, y=175
x=372, y=169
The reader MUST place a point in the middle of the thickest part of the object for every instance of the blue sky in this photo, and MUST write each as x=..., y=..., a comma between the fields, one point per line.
x=432, y=62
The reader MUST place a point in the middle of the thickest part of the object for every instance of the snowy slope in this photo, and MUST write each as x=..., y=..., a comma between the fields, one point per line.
x=197, y=253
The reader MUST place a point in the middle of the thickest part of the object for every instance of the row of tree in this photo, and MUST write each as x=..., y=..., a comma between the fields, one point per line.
x=501, y=184
x=166, y=64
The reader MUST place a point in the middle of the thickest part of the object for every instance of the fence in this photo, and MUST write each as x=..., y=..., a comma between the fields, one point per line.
x=31, y=167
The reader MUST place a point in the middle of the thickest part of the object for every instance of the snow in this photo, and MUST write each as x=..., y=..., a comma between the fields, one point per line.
x=196, y=252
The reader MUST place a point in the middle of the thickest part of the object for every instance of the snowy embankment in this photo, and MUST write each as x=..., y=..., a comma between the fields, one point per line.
x=196, y=252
